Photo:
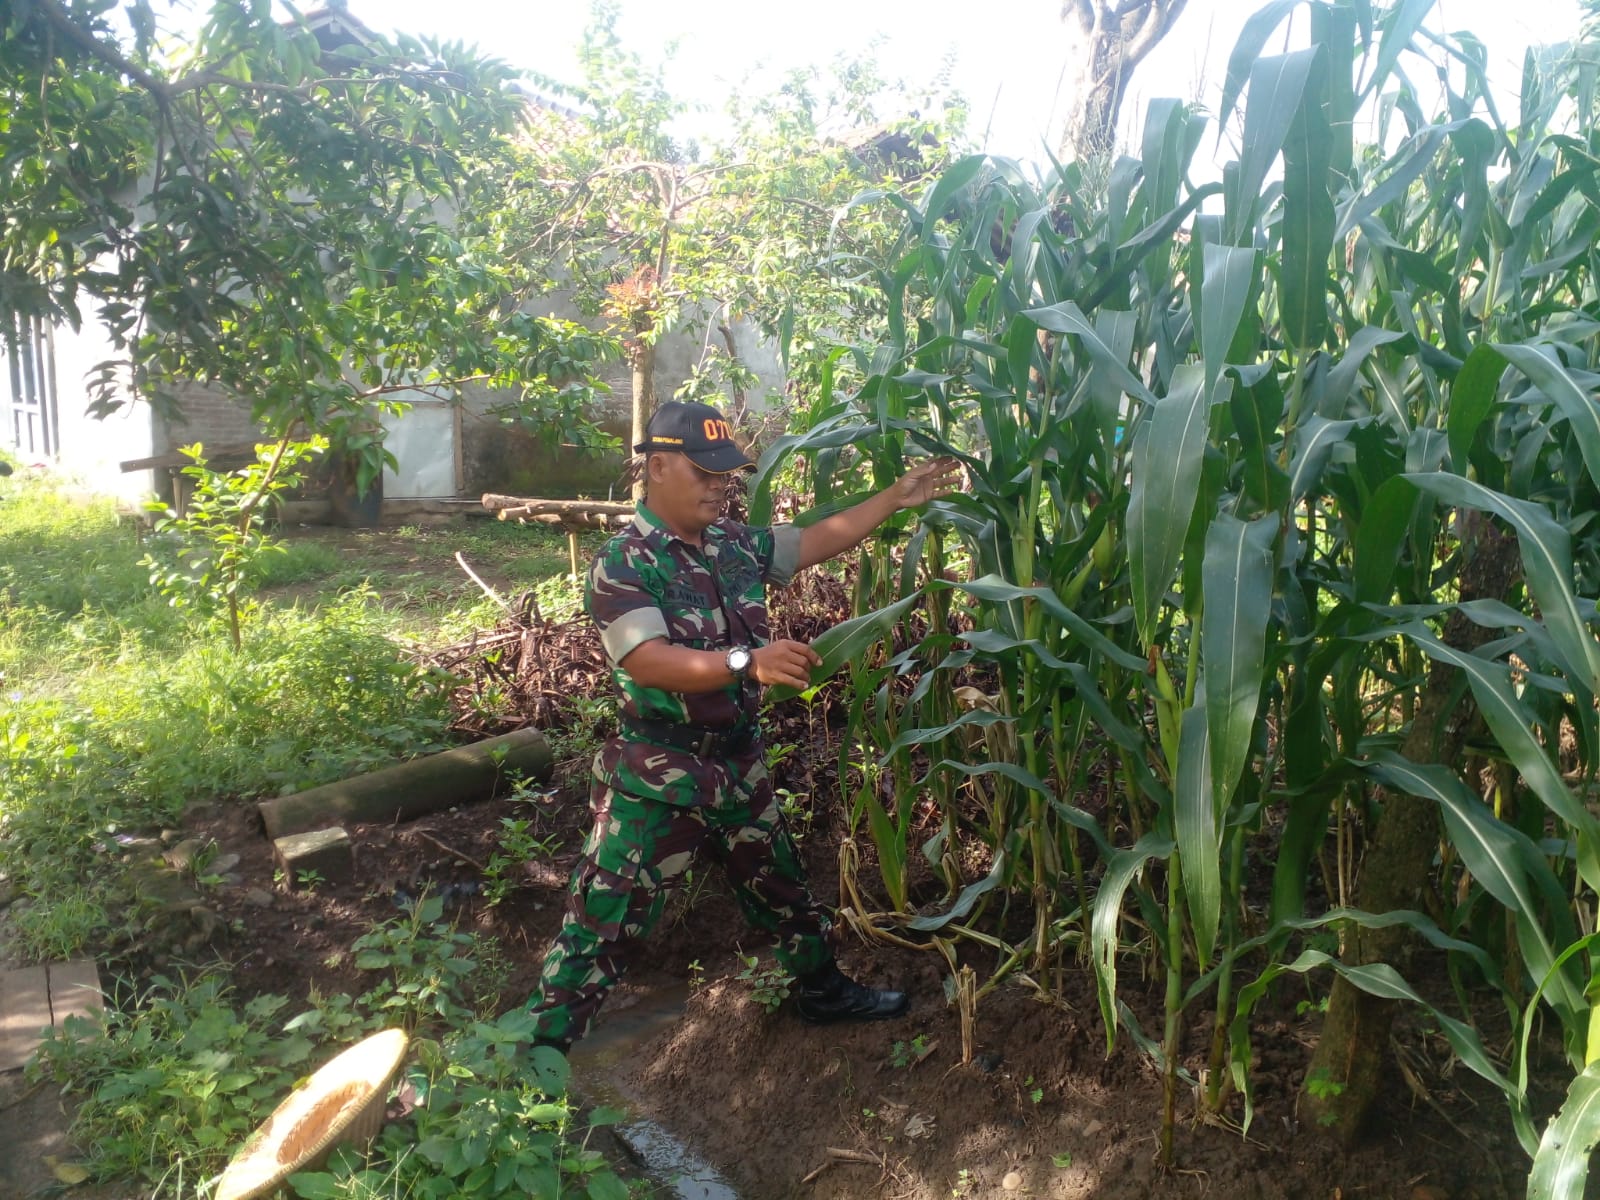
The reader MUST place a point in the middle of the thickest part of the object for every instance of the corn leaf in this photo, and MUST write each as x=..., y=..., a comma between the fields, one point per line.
x=1308, y=217
x=1247, y=52
x=1561, y=1165
x=848, y=642
x=1229, y=273
x=1237, y=577
x=1575, y=402
x=1121, y=869
x=1166, y=479
x=1194, y=821
x=1472, y=398
x=1511, y=723
x=1276, y=87
x=1508, y=865
x=1546, y=550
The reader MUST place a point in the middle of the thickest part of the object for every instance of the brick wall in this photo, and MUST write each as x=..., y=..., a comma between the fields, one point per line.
x=209, y=416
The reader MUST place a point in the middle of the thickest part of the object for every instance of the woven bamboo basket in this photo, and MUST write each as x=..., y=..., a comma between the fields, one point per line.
x=342, y=1104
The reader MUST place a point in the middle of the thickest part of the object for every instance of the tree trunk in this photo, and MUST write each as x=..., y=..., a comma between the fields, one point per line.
x=1352, y=1054
x=1110, y=38
x=644, y=399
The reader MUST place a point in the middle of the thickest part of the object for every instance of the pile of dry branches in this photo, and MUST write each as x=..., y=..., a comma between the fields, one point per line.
x=529, y=670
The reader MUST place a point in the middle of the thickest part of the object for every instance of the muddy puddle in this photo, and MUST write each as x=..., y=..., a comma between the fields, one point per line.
x=619, y=1036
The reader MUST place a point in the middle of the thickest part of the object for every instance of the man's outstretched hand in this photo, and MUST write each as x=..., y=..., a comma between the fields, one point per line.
x=927, y=481
x=784, y=662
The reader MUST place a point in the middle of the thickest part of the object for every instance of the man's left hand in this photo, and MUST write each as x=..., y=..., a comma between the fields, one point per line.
x=927, y=481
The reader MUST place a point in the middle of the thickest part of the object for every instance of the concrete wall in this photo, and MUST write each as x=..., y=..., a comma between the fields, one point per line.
x=493, y=456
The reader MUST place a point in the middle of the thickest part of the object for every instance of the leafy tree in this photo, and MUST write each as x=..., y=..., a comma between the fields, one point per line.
x=662, y=233
x=267, y=213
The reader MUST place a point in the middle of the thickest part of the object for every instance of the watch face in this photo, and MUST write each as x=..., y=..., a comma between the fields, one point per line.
x=738, y=659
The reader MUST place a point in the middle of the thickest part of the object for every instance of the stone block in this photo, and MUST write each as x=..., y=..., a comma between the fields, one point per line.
x=324, y=851
x=24, y=1014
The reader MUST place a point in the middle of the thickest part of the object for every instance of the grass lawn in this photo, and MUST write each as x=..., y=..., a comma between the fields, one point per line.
x=118, y=709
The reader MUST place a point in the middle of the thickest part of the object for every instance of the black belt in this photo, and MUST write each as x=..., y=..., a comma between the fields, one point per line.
x=697, y=739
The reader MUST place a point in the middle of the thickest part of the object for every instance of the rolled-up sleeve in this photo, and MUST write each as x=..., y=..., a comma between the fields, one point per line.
x=624, y=609
x=785, y=559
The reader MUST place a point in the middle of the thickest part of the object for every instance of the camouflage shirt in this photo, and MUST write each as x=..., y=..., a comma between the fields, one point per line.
x=649, y=583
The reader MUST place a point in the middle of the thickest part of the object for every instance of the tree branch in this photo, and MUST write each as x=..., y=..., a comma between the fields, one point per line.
x=61, y=21
x=1144, y=42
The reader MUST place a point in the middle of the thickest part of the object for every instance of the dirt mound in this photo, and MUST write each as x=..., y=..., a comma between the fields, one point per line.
x=841, y=1113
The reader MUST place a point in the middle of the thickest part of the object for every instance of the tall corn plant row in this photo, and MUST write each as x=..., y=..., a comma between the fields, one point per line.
x=1242, y=459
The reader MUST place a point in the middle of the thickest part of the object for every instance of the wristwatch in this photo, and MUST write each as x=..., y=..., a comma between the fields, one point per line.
x=738, y=662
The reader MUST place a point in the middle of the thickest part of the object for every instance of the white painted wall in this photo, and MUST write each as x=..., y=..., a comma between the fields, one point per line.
x=92, y=450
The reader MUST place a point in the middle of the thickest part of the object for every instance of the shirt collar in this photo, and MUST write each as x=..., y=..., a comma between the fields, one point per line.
x=653, y=529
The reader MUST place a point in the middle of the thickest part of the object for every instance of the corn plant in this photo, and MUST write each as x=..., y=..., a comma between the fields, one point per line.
x=1281, y=522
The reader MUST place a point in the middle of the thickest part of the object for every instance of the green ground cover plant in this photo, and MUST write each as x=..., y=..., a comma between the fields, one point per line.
x=180, y=1073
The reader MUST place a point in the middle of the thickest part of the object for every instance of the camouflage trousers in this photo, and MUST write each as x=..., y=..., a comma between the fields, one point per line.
x=637, y=854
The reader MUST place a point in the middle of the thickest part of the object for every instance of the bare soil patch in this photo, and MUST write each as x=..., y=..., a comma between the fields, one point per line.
x=770, y=1101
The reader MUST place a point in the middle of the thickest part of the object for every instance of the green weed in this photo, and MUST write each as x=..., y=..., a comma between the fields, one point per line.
x=178, y=1075
x=909, y=1054
x=518, y=844
x=769, y=986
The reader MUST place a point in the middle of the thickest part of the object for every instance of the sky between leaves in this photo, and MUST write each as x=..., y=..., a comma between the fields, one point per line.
x=1007, y=54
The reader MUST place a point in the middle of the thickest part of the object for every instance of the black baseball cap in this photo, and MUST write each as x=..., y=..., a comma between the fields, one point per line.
x=699, y=432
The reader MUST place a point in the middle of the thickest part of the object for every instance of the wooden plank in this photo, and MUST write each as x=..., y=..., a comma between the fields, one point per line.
x=24, y=1014
x=230, y=455
x=74, y=991
x=532, y=505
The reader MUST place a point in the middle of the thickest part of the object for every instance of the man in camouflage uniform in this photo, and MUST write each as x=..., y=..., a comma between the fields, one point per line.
x=679, y=598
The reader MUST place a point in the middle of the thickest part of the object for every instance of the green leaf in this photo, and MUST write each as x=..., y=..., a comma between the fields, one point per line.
x=848, y=642
x=955, y=179
x=1402, y=23
x=1502, y=859
x=1225, y=289
x=1237, y=577
x=1067, y=318
x=1247, y=52
x=1276, y=87
x=315, y=1185
x=996, y=589
x=1308, y=218
x=965, y=901
x=1194, y=821
x=1313, y=444
x=1121, y=869
x=1256, y=410
x=1511, y=723
x=1410, y=161
x=1546, y=550
x=606, y=1186
x=1382, y=532
x=1575, y=402
x=1376, y=979
x=1561, y=1165
x=1472, y=398
x=1166, y=480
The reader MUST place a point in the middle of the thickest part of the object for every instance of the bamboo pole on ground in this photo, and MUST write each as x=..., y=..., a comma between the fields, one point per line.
x=412, y=789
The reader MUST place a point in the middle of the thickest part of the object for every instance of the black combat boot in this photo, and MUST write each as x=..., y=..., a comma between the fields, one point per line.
x=828, y=994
